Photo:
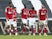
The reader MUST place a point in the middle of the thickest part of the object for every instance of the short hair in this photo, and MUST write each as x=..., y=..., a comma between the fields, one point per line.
x=32, y=8
x=43, y=5
x=14, y=7
x=10, y=3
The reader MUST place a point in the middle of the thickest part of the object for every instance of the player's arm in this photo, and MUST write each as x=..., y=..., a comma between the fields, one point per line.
x=6, y=14
x=38, y=15
x=21, y=13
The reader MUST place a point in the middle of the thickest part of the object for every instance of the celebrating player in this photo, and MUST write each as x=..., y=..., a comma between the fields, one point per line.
x=15, y=20
x=9, y=16
x=43, y=18
x=24, y=15
x=32, y=20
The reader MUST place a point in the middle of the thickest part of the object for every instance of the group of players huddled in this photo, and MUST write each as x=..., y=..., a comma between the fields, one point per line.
x=28, y=19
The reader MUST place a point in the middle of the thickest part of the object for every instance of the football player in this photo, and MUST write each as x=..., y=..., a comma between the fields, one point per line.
x=24, y=15
x=15, y=20
x=32, y=20
x=9, y=16
x=43, y=18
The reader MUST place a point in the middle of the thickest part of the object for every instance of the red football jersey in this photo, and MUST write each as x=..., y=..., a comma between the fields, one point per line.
x=32, y=13
x=14, y=14
x=42, y=14
x=9, y=12
x=24, y=13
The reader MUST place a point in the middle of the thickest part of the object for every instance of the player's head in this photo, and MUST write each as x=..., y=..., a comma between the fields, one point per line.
x=25, y=7
x=14, y=8
x=32, y=8
x=10, y=4
x=43, y=6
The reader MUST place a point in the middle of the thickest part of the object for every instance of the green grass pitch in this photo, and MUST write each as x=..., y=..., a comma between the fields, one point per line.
x=25, y=37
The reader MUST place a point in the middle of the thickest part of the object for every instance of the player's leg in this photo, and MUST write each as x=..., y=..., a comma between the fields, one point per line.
x=11, y=27
x=34, y=29
x=7, y=23
x=34, y=25
x=24, y=24
x=39, y=31
x=24, y=28
x=15, y=27
x=11, y=31
x=45, y=28
x=2, y=27
x=45, y=31
x=30, y=26
x=39, y=28
x=30, y=30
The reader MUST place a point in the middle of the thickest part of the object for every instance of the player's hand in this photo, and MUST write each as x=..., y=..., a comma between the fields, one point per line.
x=7, y=19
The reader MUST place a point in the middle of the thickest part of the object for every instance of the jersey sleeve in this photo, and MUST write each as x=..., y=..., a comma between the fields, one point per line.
x=39, y=11
x=6, y=12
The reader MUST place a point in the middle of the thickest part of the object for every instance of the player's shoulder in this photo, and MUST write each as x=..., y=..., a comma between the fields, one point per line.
x=40, y=9
x=34, y=10
x=6, y=7
x=22, y=9
x=30, y=10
